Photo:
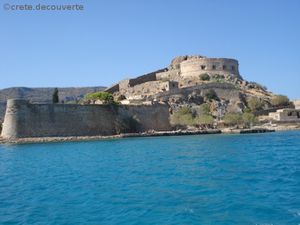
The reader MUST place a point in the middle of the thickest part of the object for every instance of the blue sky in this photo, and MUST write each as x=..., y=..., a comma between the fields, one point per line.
x=112, y=40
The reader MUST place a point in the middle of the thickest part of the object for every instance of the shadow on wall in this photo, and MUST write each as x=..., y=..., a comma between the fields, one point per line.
x=23, y=119
x=127, y=124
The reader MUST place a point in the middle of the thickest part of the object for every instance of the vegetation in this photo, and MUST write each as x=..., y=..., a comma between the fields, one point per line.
x=280, y=100
x=106, y=97
x=211, y=94
x=204, y=120
x=255, y=104
x=233, y=119
x=55, y=98
x=246, y=119
x=257, y=86
x=218, y=78
x=204, y=109
x=183, y=117
x=204, y=77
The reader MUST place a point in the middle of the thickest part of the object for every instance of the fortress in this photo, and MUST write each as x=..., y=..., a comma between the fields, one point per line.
x=184, y=71
x=144, y=103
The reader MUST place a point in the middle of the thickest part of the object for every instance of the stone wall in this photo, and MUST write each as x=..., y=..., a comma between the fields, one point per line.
x=285, y=115
x=195, y=67
x=127, y=83
x=23, y=119
x=296, y=104
x=149, y=88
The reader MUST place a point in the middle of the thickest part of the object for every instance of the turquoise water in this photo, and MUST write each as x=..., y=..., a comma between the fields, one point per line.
x=208, y=179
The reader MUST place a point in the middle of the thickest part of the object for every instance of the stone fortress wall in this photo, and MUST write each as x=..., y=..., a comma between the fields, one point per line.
x=183, y=71
x=198, y=66
x=23, y=119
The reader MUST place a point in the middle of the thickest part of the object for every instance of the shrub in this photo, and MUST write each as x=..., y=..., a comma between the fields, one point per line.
x=280, y=100
x=232, y=119
x=204, y=109
x=211, y=94
x=257, y=86
x=204, y=77
x=106, y=97
x=183, y=116
x=218, y=77
x=204, y=120
x=248, y=119
x=255, y=104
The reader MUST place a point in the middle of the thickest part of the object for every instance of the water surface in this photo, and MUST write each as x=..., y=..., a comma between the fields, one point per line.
x=208, y=179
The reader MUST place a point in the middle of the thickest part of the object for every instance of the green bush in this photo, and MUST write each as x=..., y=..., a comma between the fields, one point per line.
x=280, y=100
x=204, y=77
x=183, y=117
x=204, y=109
x=248, y=119
x=232, y=119
x=255, y=104
x=211, y=94
x=204, y=120
x=106, y=97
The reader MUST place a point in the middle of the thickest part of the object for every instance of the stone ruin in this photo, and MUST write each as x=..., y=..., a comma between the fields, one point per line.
x=184, y=71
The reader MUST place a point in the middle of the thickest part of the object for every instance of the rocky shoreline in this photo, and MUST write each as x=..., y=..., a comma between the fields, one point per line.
x=128, y=135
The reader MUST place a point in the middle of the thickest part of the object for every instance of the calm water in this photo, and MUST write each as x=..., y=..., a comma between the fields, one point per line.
x=213, y=179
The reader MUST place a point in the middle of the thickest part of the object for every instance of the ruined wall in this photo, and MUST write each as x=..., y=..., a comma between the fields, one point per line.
x=297, y=104
x=195, y=67
x=127, y=83
x=23, y=119
x=149, y=88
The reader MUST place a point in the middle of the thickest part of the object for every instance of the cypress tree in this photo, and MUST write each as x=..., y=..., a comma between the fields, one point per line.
x=55, y=98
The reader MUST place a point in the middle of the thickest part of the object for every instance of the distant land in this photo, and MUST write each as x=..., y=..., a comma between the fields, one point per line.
x=43, y=95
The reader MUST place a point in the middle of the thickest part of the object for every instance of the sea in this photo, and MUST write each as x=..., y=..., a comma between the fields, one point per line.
x=199, y=179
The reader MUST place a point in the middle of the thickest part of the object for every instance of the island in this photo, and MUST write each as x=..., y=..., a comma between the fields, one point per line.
x=193, y=95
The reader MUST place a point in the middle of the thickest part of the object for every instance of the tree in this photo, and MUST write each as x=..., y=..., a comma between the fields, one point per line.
x=55, y=98
x=248, y=119
x=106, y=97
x=255, y=104
x=280, y=100
x=206, y=120
x=233, y=119
x=182, y=116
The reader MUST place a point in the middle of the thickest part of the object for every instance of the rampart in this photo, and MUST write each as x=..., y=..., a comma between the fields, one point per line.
x=23, y=119
x=195, y=67
x=124, y=84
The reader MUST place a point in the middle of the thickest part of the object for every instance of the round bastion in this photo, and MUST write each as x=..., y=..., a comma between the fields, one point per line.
x=197, y=66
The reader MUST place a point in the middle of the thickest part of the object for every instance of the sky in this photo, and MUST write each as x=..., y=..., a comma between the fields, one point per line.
x=116, y=39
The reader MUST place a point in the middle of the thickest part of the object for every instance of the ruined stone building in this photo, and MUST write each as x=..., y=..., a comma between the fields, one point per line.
x=183, y=72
